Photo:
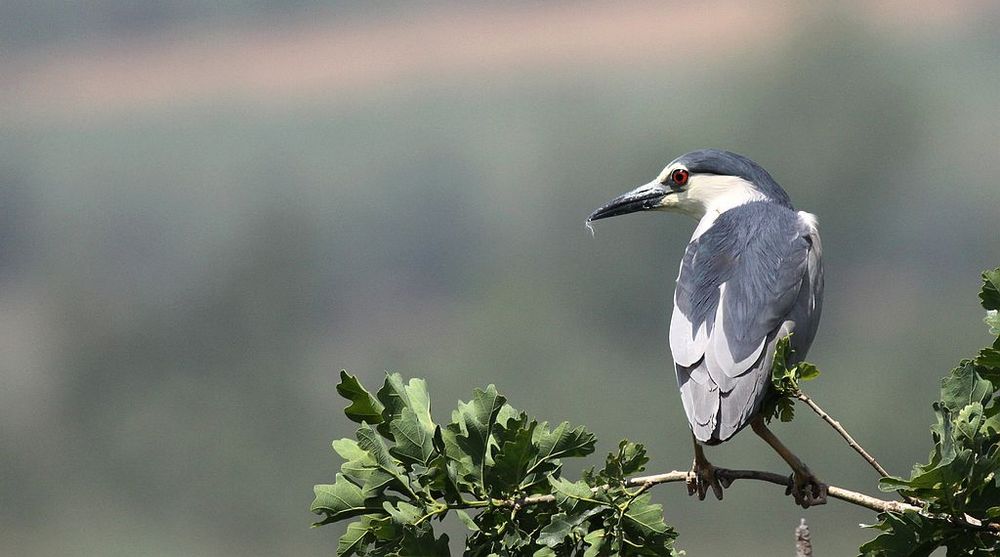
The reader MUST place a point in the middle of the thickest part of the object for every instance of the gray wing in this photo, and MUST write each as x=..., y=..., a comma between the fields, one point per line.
x=751, y=278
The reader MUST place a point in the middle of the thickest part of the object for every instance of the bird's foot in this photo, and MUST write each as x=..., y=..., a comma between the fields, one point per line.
x=806, y=489
x=703, y=476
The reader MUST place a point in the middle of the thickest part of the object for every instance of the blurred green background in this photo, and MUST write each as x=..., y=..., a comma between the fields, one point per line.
x=209, y=208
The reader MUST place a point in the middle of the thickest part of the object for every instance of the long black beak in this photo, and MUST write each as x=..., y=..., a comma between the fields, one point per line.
x=642, y=198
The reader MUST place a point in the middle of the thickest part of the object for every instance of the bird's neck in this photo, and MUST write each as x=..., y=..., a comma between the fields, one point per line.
x=714, y=195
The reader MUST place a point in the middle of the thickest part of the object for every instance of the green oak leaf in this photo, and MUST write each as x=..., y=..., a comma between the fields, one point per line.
x=989, y=296
x=969, y=421
x=563, y=441
x=988, y=360
x=913, y=534
x=358, y=535
x=779, y=402
x=964, y=386
x=595, y=541
x=992, y=321
x=364, y=407
x=403, y=513
x=805, y=371
x=361, y=468
x=397, y=396
x=562, y=526
x=780, y=377
x=900, y=536
x=476, y=420
x=369, y=440
x=556, y=531
x=629, y=460
x=512, y=460
x=414, y=439
x=340, y=500
x=568, y=493
x=422, y=544
x=646, y=516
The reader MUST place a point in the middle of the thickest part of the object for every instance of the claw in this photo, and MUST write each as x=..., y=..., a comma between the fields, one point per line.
x=806, y=489
x=703, y=476
x=803, y=485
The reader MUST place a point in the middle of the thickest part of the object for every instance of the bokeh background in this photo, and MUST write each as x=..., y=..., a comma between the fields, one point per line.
x=209, y=208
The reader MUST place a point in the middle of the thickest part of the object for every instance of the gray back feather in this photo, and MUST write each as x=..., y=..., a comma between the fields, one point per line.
x=751, y=278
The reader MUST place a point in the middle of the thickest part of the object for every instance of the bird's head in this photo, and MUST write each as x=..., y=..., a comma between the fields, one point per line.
x=708, y=180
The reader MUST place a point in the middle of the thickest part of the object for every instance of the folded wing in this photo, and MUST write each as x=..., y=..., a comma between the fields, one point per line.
x=748, y=280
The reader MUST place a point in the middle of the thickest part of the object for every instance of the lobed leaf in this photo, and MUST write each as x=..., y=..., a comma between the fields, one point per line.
x=562, y=526
x=563, y=441
x=568, y=493
x=476, y=420
x=989, y=295
x=403, y=513
x=806, y=371
x=357, y=535
x=361, y=468
x=988, y=361
x=595, y=541
x=422, y=544
x=513, y=458
x=414, y=438
x=992, y=321
x=964, y=386
x=397, y=396
x=646, y=516
x=364, y=407
x=369, y=440
x=340, y=500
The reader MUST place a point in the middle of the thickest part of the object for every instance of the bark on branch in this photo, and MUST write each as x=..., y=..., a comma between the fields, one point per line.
x=846, y=495
x=843, y=433
x=849, y=438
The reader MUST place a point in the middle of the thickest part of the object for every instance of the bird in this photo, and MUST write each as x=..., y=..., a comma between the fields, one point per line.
x=750, y=275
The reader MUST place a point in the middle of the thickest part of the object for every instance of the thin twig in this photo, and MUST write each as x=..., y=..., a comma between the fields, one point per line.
x=843, y=433
x=849, y=438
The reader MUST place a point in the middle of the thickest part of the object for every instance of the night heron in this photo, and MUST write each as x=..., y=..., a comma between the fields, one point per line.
x=750, y=275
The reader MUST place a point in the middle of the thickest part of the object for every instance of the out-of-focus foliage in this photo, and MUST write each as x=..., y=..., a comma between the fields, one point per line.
x=402, y=471
x=960, y=479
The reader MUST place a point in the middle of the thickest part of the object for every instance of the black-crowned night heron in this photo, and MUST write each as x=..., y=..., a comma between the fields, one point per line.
x=750, y=275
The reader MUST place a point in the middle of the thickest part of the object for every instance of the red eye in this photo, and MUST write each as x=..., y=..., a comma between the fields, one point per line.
x=679, y=176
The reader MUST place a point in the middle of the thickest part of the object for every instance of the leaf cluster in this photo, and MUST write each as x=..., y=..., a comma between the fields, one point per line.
x=402, y=471
x=785, y=378
x=960, y=477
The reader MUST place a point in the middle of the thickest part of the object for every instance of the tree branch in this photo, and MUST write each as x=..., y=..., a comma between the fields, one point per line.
x=849, y=438
x=846, y=495
x=843, y=433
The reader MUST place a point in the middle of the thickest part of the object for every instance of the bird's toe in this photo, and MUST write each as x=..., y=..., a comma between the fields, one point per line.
x=807, y=490
x=701, y=478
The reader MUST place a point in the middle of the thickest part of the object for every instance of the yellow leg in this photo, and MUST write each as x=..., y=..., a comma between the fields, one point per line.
x=806, y=489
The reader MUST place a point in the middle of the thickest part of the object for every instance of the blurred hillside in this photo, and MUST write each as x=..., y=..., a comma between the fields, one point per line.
x=207, y=210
